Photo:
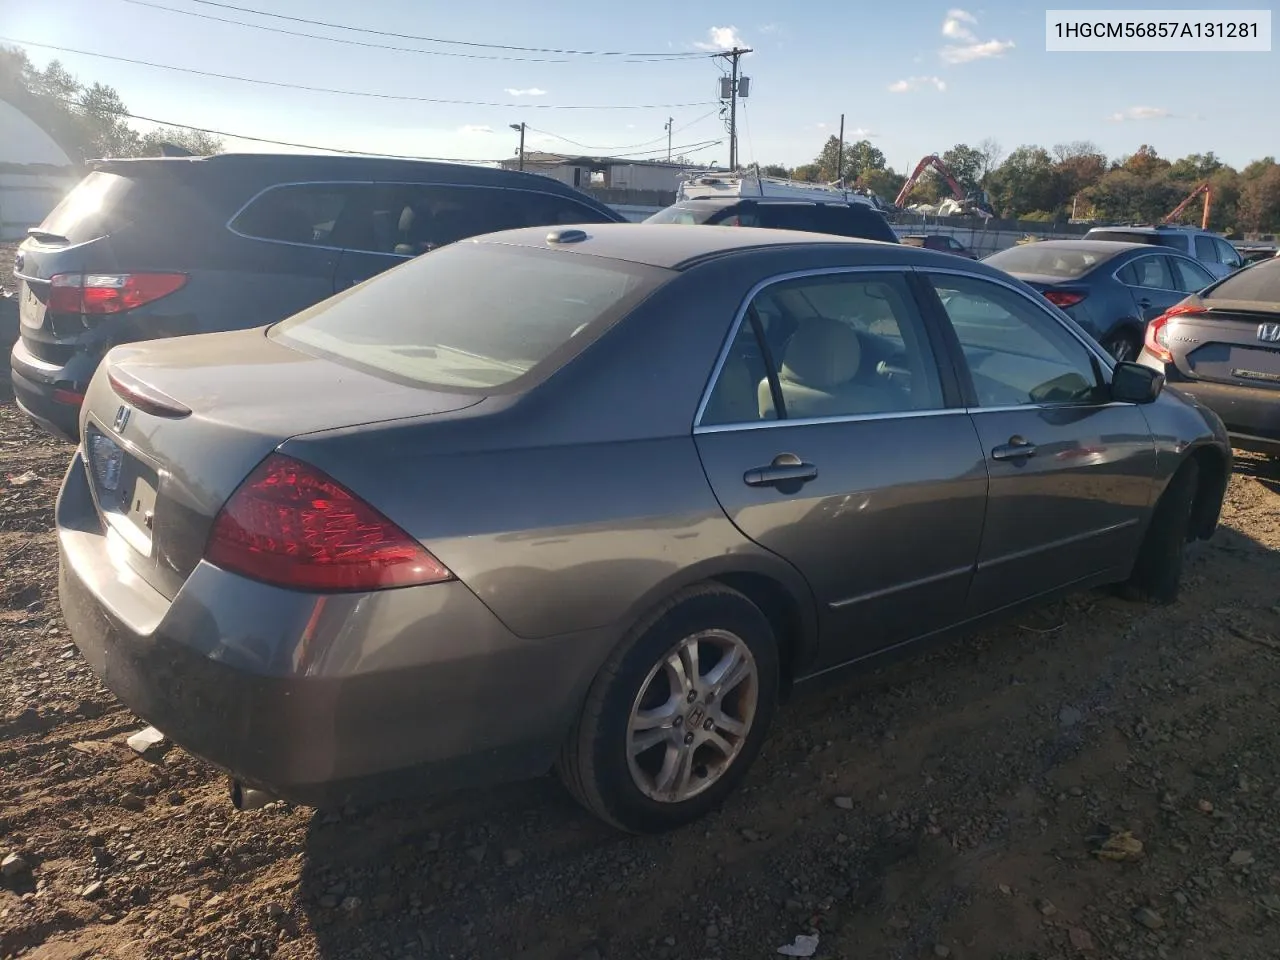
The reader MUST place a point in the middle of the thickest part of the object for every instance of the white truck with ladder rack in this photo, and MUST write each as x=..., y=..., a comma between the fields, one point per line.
x=704, y=185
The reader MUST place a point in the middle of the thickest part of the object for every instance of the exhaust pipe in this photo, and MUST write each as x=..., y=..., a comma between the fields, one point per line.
x=248, y=798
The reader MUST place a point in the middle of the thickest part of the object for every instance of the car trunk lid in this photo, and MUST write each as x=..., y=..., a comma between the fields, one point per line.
x=153, y=415
x=1230, y=341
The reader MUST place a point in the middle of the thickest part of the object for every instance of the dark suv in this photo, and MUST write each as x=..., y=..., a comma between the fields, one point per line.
x=143, y=249
x=845, y=219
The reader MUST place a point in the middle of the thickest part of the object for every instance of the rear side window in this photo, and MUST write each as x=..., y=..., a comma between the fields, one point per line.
x=308, y=213
x=1174, y=241
x=471, y=316
x=855, y=221
x=790, y=216
x=1259, y=284
x=96, y=206
x=1205, y=250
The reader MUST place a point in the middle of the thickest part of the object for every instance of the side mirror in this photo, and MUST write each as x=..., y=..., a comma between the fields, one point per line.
x=1135, y=383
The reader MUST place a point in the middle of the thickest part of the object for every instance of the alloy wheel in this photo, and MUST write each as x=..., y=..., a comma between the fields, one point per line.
x=692, y=716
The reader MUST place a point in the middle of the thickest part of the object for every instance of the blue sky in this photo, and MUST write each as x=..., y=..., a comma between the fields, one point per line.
x=914, y=77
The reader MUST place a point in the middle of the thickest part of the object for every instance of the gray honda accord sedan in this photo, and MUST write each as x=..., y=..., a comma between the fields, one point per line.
x=595, y=499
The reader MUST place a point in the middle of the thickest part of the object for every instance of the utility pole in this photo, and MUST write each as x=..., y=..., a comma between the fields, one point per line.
x=840, y=155
x=670, y=120
x=731, y=88
x=520, y=126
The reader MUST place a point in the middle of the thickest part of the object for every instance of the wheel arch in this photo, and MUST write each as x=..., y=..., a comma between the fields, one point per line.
x=1214, y=475
x=773, y=585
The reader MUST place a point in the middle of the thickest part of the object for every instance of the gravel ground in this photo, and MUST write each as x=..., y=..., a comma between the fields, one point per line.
x=1094, y=779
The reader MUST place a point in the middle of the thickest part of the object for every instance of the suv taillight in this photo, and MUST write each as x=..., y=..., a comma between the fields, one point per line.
x=292, y=525
x=100, y=294
x=1156, y=340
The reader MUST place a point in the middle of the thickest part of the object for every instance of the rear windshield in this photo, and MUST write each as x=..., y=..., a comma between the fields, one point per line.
x=94, y=208
x=1260, y=284
x=1046, y=261
x=688, y=214
x=472, y=317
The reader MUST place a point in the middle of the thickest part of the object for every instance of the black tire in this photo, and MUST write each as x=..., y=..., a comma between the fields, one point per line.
x=594, y=761
x=1157, y=573
x=1123, y=345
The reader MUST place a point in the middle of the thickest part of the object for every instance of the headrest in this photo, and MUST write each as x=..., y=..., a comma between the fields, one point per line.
x=822, y=353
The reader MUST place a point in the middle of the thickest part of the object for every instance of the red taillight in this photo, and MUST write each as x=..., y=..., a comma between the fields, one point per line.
x=100, y=294
x=1156, y=340
x=72, y=398
x=291, y=525
x=1063, y=298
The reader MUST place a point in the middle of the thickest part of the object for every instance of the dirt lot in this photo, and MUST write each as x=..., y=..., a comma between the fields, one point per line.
x=950, y=804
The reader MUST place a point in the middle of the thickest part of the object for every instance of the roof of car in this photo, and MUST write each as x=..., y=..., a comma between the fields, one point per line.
x=676, y=246
x=1145, y=229
x=319, y=166
x=1111, y=247
x=819, y=199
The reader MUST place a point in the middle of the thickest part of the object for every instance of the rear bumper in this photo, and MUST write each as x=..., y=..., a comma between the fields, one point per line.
x=1251, y=415
x=34, y=384
x=320, y=699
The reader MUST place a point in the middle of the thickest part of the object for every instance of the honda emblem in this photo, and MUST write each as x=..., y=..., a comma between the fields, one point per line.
x=1269, y=332
x=122, y=419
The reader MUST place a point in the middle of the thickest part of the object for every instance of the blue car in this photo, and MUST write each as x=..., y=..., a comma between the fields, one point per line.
x=1111, y=289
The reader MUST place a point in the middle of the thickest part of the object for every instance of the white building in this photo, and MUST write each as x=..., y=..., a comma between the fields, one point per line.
x=35, y=173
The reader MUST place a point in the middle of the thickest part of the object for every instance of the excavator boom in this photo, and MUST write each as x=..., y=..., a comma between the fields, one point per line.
x=1205, y=188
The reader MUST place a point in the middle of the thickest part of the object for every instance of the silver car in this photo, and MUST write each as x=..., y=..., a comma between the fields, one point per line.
x=596, y=499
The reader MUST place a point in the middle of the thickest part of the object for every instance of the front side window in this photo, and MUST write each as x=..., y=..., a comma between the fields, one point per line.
x=471, y=316
x=1017, y=353
x=305, y=213
x=1228, y=254
x=1189, y=275
x=834, y=345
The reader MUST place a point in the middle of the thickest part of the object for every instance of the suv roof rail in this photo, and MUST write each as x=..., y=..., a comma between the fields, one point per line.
x=745, y=185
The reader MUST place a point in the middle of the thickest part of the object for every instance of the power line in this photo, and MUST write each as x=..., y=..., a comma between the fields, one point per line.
x=463, y=43
x=354, y=93
x=278, y=143
x=372, y=45
x=626, y=146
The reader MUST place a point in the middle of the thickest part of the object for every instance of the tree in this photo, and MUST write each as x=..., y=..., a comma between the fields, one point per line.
x=991, y=153
x=885, y=183
x=1260, y=201
x=1145, y=163
x=197, y=142
x=775, y=170
x=1080, y=164
x=1025, y=182
x=965, y=164
x=109, y=132
x=859, y=157
x=1196, y=166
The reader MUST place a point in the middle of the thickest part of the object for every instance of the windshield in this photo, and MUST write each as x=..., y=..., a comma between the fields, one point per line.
x=1044, y=260
x=471, y=316
x=1259, y=284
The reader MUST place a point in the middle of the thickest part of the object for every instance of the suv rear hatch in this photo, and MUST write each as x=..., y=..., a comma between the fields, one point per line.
x=97, y=256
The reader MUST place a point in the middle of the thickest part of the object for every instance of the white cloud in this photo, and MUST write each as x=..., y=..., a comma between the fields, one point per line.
x=862, y=133
x=721, y=38
x=476, y=128
x=916, y=83
x=965, y=47
x=525, y=92
x=822, y=126
x=1141, y=113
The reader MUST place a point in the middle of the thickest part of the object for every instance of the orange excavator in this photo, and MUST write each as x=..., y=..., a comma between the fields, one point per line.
x=975, y=200
x=1205, y=188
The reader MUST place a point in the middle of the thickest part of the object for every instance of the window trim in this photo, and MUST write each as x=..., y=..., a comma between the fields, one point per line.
x=1106, y=362
x=907, y=274
x=369, y=183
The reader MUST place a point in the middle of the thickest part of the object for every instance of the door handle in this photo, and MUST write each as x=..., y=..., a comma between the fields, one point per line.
x=1016, y=449
x=1144, y=303
x=786, y=468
